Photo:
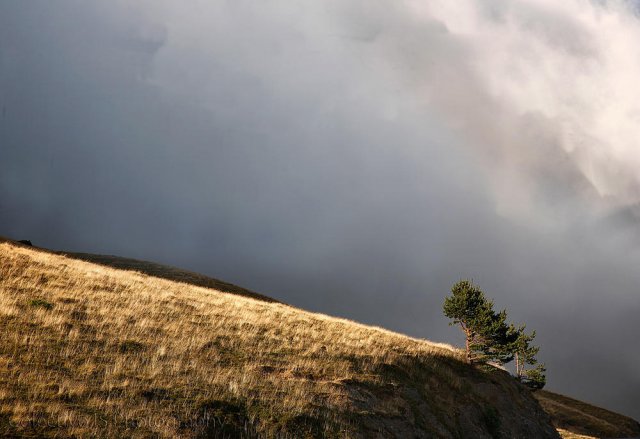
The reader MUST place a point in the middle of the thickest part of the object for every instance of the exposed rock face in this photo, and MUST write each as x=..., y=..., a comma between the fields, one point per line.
x=420, y=402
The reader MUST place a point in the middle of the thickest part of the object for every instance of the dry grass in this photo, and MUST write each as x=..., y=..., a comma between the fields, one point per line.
x=88, y=350
x=166, y=272
x=566, y=434
x=577, y=419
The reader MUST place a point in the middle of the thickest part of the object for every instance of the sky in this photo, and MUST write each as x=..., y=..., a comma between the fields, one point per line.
x=351, y=157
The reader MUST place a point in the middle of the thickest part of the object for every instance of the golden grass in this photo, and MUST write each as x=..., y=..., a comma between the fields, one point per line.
x=88, y=350
x=566, y=434
x=166, y=272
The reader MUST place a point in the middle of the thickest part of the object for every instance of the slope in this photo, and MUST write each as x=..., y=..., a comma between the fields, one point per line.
x=574, y=417
x=156, y=270
x=90, y=350
x=167, y=272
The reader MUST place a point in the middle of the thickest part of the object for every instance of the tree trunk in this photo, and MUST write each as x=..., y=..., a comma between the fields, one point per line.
x=467, y=334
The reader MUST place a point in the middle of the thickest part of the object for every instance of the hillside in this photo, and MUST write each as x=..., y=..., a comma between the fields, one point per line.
x=91, y=350
x=166, y=272
x=577, y=419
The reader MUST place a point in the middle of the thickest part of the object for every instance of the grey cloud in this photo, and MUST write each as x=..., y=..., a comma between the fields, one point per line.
x=346, y=157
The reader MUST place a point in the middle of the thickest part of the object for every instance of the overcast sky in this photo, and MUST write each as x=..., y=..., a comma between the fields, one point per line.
x=353, y=157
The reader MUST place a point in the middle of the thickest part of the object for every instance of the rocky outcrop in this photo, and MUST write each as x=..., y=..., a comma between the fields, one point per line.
x=422, y=400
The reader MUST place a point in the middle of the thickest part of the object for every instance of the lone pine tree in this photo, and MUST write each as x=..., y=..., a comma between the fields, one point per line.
x=488, y=337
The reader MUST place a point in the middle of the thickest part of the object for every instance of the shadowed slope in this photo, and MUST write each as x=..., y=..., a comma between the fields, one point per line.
x=581, y=418
x=89, y=350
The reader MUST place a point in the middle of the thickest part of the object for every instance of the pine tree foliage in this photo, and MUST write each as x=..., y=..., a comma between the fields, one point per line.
x=525, y=355
x=488, y=336
x=535, y=377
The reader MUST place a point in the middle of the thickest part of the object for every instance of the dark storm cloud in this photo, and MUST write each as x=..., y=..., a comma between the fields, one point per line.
x=354, y=158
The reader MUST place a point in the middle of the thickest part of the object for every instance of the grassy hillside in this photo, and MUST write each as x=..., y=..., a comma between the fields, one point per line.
x=166, y=272
x=90, y=350
x=577, y=419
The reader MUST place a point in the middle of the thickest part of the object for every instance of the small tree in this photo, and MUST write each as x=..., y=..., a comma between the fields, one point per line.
x=525, y=355
x=535, y=378
x=487, y=335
